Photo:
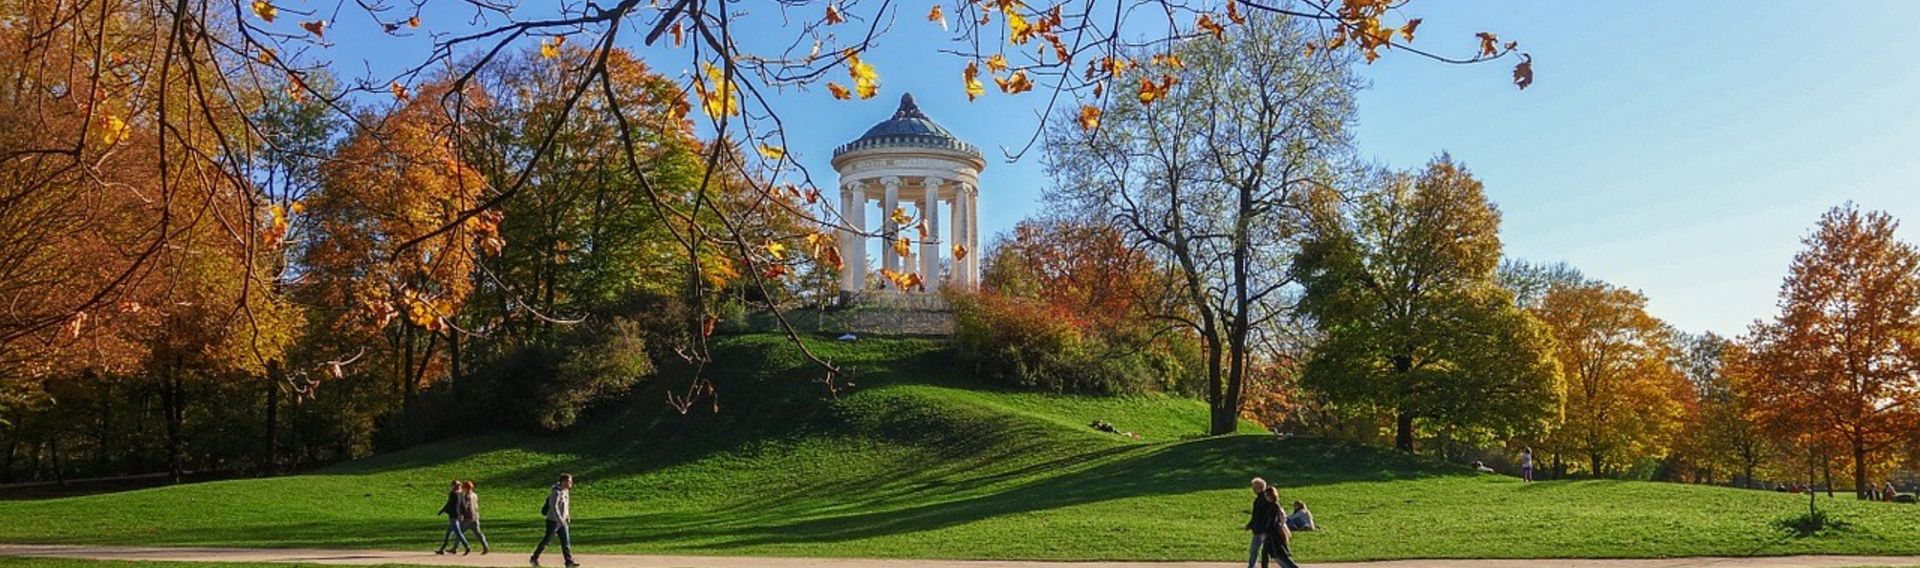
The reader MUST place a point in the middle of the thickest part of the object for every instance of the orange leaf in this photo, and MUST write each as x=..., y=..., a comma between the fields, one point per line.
x=679, y=34
x=833, y=15
x=838, y=91
x=1016, y=83
x=1489, y=45
x=1406, y=31
x=937, y=16
x=1206, y=24
x=1233, y=13
x=399, y=91
x=316, y=27
x=997, y=63
x=1089, y=117
x=413, y=22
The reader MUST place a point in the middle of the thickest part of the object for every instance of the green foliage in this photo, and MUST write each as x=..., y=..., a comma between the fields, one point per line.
x=1401, y=282
x=1026, y=343
x=919, y=461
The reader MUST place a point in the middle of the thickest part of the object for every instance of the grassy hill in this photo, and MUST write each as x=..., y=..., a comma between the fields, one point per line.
x=916, y=461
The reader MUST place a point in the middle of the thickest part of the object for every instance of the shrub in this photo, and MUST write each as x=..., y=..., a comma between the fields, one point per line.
x=1024, y=342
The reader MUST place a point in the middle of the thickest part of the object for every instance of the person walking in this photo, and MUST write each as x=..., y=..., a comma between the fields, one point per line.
x=1526, y=464
x=470, y=516
x=452, y=510
x=1278, y=536
x=1264, y=513
x=559, y=513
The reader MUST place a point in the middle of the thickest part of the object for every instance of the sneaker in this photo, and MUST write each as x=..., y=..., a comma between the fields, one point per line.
x=534, y=562
x=572, y=564
x=441, y=551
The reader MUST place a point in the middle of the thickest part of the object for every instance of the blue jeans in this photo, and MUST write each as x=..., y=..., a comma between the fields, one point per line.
x=566, y=541
x=454, y=532
x=1253, y=551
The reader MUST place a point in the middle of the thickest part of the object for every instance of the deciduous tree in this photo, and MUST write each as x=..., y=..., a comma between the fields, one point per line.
x=1624, y=399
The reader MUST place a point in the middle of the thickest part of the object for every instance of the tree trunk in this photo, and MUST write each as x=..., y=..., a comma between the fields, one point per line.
x=59, y=472
x=175, y=402
x=102, y=436
x=1826, y=465
x=1403, y=432
x=271, y=465
x=1859, y=470
x=1594, y=460
x=13, y=445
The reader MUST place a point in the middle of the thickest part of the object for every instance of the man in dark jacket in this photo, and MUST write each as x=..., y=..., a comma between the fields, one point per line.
x=452, y=511
x=1261, y=522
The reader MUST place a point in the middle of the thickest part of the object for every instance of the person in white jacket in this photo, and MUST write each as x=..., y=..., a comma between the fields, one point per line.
x=559, y=512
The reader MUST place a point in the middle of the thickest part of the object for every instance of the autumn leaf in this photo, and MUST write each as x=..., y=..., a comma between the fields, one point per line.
x=1151, y=91
x=1233, y=13
x=679, y=34
x=1206, y=24
x=900, y=216
x=1523, y=73
x=865, y=81
x=550, y=47
x=399, y=91
x=834, y=16
x=316, y=27
x=1018, y=25
x=996, y=63
x=777, y=251
x=937, y=16
x=716, y=94
x=114, y=130
x=1016, y=83
x=838, y=91
x=265, y=10
x=1406, y=30
x=1489, y=45
x=959, y=252
x=833, y=258
x=1089, y=117
x=772, y=152
x=413, y=22
x=903, y=246
x=266, y=56
x=972, y=75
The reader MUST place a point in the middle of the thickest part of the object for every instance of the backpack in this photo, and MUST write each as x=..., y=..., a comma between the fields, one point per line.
x=546, y=507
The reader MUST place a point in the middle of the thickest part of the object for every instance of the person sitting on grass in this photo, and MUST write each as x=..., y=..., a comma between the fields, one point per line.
x=1278, y=537
x=1301, y=519
x=470, y=515
x=452, y=510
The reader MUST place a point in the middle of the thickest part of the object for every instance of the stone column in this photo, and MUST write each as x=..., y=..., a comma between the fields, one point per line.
x=853, y=251
x=957, y=235
x=889, y=259
x=973, y=236
x=930, y=246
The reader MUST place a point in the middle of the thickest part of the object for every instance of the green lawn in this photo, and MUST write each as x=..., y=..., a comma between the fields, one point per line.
x=918, y=462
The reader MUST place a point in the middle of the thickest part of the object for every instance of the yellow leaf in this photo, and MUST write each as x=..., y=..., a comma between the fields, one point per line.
x=838, y=91
x=113, y=130
x=833, y=15
x=903, y=246
x=265, y=10
x=266, y=55
x=972, y=75
x=1018, y=25
x=1089, y=117
x=1406, y=30
x=716, y=94
x=865, y=81
x=550, y=47
x=777, y=251
x=997, y=63
x=959, y=252
x=900, y=216
x=937, y=16
x=772, y=152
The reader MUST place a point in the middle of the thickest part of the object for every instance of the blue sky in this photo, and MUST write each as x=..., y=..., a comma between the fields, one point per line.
x=1682, y=153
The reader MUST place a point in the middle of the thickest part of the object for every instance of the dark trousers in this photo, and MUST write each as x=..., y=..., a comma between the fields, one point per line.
x=1277, y=550
x=566, y=541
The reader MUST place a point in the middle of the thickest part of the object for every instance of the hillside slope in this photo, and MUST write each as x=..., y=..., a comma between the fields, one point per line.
x=916, y=461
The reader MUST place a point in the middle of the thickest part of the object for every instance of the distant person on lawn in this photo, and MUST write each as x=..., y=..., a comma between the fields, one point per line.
x=1278, y=536
x=452, y=510
x=1526, y=465
x=559, y=513
x=470, y=515
x=1300, y=519
x=1260, y=523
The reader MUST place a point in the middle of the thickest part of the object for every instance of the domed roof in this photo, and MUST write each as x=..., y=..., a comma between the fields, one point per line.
x=908, y=128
